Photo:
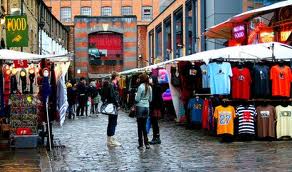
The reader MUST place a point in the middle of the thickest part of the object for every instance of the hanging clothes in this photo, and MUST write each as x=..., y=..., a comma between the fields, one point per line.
x=241, y=81
x=225, y=119
x=281, y=77
x=195, y=106
x=261, y=81
x=266, y=118
x=246, y=119
x=284, y=121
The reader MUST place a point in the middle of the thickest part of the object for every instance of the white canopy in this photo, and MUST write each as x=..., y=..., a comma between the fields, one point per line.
x=223, y=30
x=246, y=52
x=256, y=51
x=17, y=55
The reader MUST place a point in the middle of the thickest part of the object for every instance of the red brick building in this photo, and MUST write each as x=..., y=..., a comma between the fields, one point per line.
x=104, y=44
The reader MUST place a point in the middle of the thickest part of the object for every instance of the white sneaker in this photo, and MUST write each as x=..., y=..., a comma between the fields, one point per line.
x=115, y=142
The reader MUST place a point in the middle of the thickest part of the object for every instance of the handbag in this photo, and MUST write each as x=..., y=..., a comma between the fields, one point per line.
x=175, y=81
x=108, y=109
x=132, y=113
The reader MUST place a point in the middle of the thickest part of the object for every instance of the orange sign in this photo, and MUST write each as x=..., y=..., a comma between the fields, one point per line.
x=285, y=35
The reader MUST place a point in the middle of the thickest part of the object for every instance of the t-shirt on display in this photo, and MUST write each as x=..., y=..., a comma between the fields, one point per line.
x=196, y=106
x=266, y=116
x=261, y=81
x=241, y=82
x=225, y=119
x=246, y=119
x=284, y=121
x=205, y=78
x=219, y=74
x=281, y=80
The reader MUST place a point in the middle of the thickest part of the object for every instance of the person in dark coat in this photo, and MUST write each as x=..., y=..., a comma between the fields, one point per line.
x=110, y=94
x=71, y=95
x=155, y=109
x=81, y=96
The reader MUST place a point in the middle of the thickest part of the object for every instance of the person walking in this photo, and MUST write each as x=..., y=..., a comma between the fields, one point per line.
x=110, y=94
x=82, y=97
x=93, y=92
x=156, y=107
x=142, y=99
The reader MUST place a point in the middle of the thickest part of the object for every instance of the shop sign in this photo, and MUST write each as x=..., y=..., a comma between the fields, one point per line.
x=285, y=35
x=16, y=31
x=239, y=32
x=266, y=36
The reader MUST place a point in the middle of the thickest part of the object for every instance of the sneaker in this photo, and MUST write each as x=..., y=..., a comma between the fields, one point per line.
x=155, y=141
x=158, y=141
x=147, y=146
x=140, y=147
x=115, y=142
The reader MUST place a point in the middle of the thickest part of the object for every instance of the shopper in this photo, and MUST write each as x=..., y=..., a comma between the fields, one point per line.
x=156, y=107
x=82, y=96
x=142, y=98
x=71, y=95
x=110, y=94
x=93, y=94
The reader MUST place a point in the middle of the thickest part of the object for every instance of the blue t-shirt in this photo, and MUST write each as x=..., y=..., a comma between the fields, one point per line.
x=219, y=74
x=205, y=78
x=196, y=106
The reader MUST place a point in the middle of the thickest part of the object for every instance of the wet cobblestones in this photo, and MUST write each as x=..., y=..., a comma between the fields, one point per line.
x=181, y=150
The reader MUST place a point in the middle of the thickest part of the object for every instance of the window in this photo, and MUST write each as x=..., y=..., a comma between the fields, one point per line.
x=86, y=11
x=106, y=11
x=66, y=14
x=146, y=13
x=127, y=11
x=249, y=8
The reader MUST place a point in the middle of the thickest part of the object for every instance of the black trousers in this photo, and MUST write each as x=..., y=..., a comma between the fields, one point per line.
x=112, y=124
x=81, y=105
x=155, y=127
x=142, y=133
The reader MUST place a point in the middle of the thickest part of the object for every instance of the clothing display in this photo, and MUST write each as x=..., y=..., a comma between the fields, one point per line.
x=225, y=119
x=166, y=96
x=266, y=117
x=284, y=121
x=246, y=119
x=281, y=80
x=241, y=81
x=219, y=74
x=205, y=113
x=195, y=77
x=195, y=106
x=162, y=76
x=261, y=81
x=205, y=77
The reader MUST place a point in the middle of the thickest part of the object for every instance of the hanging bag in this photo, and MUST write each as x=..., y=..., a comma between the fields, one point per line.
x=175, y=81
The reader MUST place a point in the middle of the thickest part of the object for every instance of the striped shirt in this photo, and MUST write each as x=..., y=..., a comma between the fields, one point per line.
x=246, y=119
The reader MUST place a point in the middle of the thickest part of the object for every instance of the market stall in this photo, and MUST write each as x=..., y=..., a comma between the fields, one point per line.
x=216, y=89
x=33, y=95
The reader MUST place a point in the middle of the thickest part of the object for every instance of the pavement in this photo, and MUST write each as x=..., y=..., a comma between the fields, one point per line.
x=24, y=160
x=181, y=150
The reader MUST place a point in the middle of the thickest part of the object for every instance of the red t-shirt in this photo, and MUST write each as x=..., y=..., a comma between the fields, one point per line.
x=241, y=81
x=281, y=78
x=205, y=113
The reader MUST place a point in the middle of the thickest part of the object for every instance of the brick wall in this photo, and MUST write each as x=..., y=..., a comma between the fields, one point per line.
x=142, y=36
x=127, y=26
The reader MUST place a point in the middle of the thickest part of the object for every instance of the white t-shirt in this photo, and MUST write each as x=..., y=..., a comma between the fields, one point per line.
x=284, y=121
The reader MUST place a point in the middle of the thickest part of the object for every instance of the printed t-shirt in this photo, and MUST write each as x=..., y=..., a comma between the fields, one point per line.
x=195, y=77
x=205, y=78
x=266, y=121
x=261, y=80
x=284, y=121
x=219, y=74
x=241, y=81
x=246, y=119
x=196, y=105
x=225, y=117
x=281, y=78
x=205, y=114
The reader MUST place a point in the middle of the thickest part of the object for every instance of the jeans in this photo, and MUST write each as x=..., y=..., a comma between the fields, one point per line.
x=81, y=105
x=70, y=109
x=142, y=114
x=155, y=127
x=112, y=123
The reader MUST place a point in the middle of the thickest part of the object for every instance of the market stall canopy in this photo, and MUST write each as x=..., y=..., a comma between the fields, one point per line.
x=17, y=55
x=256, y=51
x=224, y=29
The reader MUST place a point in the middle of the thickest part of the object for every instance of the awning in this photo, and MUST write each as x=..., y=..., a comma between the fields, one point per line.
x=17, y=55
x=246, y=52
x=223, y=30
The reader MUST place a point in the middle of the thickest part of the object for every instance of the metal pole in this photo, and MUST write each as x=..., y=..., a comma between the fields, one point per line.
x=21, y=9
x=48, y=123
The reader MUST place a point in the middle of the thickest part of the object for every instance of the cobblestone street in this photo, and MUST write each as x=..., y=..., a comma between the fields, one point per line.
x=181, y=150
